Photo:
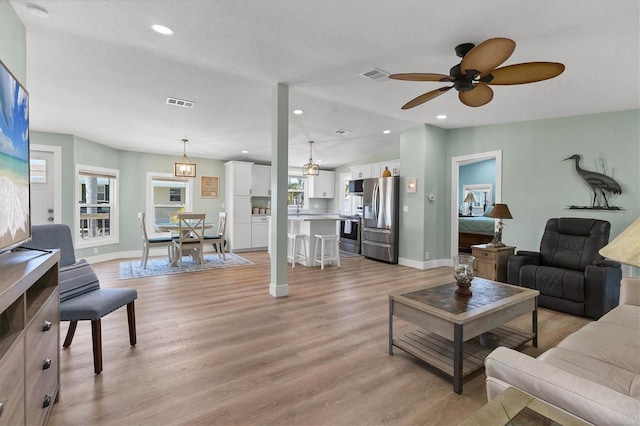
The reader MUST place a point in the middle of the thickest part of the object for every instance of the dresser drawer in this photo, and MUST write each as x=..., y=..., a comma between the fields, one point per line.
x=42, y=343
x=12, y=384
x=483, y=254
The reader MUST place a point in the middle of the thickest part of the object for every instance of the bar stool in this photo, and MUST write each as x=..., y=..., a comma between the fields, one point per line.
x=293, y=247
x=321, y=256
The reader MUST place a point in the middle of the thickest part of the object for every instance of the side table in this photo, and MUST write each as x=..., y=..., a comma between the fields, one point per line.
x=514, y=407
x=491, y=262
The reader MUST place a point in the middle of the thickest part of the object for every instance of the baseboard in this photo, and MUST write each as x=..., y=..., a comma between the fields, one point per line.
x=281, y=290
x=427, y=264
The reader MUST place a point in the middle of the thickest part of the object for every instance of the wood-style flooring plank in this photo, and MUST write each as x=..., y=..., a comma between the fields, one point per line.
x=214, y=348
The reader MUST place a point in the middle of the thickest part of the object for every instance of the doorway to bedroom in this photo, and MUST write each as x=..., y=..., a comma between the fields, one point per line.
x=476, y=184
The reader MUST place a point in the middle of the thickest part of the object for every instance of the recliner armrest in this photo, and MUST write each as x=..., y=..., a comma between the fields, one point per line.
x=630, y=291
x=517, y=261
x=601, y=289
x=606, y=263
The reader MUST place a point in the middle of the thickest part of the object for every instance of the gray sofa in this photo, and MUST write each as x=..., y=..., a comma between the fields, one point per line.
x=593, y=373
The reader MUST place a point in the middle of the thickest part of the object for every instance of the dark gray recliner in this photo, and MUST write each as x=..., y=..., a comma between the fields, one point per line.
x=568, y=271
x=81, y=298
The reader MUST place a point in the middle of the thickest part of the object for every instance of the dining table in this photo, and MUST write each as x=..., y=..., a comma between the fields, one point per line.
x=174, y=228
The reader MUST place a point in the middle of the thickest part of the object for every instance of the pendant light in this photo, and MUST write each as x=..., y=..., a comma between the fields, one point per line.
x=184, y=168
x=310, y=169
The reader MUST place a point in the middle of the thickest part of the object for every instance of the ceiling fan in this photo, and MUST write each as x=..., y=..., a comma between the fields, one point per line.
x=477, y=70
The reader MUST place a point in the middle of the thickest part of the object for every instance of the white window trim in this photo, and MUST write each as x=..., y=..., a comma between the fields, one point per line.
x=306, y=203
x=114, y=220
x=149, y=219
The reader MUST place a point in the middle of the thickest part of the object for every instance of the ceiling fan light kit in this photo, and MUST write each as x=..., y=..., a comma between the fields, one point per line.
x=478, y=69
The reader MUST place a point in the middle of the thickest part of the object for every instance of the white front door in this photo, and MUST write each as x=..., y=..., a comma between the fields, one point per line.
x=45, y=184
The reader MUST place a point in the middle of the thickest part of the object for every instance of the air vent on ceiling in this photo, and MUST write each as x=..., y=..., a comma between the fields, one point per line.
x=342, y=132
x=180, y=102
x=376, y=74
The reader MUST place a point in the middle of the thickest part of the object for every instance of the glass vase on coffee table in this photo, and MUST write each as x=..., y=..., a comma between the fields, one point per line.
x=464, y=273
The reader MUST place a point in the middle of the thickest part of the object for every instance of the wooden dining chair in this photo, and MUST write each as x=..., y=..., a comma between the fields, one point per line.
x=190, y=236
x=149, y=243
x=218, y=239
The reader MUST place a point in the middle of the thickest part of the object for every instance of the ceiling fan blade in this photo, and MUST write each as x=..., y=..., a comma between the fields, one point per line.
x=487, y=55
x=527, y=72
x=480, y=95
x=425, y=97
x=419, y=76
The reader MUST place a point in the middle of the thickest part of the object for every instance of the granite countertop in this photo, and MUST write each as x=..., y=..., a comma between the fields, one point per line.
x=303, y=217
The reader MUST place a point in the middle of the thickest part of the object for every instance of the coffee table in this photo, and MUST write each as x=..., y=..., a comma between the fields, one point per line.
x=450, y=326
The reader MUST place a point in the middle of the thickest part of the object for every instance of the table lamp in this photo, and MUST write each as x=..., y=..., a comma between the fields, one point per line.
x=469, y=199
x=625, y=248
x=499, y=211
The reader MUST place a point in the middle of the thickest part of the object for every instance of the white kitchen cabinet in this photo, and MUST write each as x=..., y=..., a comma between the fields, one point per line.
x=362, y=171
x=238, y=179
x=392, y=165
x=259, y=231
x=261, y=181
x=239, y=227
x=323, y=185
x=376, y=171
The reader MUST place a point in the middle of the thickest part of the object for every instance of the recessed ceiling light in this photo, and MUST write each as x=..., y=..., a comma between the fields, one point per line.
x=298, y=111
x=244, y=151
x=386, y=132
x=441, y=116
x=37, y=11
x=161, y=29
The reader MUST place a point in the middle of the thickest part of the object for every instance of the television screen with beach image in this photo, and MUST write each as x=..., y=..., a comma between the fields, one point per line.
x=15, y=221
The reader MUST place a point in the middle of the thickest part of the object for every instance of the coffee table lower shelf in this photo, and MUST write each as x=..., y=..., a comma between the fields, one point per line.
x=438, y=351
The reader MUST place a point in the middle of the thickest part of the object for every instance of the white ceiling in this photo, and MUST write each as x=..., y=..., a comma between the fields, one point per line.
x=96, y=70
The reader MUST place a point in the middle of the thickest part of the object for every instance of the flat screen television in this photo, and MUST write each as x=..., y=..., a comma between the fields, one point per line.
x=15, y=202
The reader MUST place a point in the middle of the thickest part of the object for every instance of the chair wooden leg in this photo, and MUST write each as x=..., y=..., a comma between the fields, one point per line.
x=96, y=336
x=70, y=333
x=131, y=316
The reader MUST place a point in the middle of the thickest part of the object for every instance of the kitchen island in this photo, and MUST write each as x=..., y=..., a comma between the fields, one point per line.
x=310, y=225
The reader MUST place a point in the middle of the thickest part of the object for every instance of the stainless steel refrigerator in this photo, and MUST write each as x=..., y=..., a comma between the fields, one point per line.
x=379, y=239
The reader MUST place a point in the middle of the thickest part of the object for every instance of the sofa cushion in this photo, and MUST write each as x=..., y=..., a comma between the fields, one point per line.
x=592, y=369
x=597, y=339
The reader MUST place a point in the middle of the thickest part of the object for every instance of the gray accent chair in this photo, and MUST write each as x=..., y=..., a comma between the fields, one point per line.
x=81, y=298
x=568, y=271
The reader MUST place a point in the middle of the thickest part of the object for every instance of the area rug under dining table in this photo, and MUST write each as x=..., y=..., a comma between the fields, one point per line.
x=160, y=266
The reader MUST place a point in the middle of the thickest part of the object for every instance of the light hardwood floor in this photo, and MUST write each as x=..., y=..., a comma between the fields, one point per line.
x=215, y=348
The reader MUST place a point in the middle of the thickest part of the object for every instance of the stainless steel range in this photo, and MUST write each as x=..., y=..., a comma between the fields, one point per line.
x=350, y=233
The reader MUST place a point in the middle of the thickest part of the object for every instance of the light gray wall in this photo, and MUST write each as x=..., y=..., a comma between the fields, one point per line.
x=13, y=42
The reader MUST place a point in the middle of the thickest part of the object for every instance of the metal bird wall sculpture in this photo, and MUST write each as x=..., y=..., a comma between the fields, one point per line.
x=599, y=183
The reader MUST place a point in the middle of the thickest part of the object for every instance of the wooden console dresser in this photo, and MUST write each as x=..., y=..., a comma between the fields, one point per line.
x=29, y=336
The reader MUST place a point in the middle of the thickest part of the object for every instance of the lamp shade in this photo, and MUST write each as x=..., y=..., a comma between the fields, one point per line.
x=500, y=211
x=625, y=248
x=469, y=198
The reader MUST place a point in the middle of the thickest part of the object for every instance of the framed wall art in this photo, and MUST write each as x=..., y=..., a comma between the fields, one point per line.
x=209, y=187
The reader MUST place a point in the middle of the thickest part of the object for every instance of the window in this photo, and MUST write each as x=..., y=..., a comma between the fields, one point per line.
x=166, y=195
x=482, y=193
x=295, y=192
x=97, y=212
x=38, y=170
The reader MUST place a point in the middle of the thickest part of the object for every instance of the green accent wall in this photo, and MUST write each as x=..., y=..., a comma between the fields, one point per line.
x=537, y=184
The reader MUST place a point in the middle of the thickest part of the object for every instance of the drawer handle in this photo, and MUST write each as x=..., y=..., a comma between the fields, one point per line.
x=47, y=401
x=485, y=254
x=46, y=326
x=46, y=364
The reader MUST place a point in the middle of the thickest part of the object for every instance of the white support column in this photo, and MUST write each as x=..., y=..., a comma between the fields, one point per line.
x=279, y=285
